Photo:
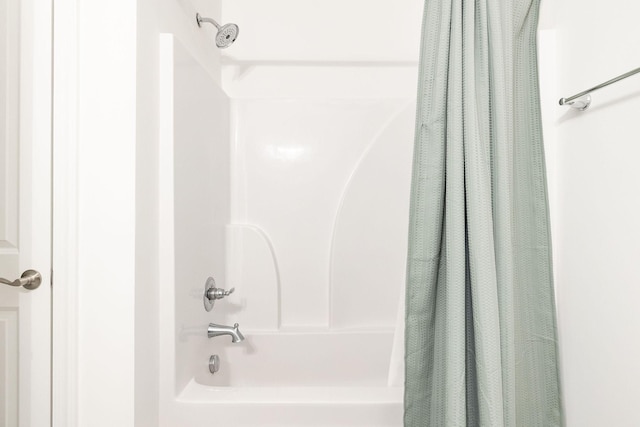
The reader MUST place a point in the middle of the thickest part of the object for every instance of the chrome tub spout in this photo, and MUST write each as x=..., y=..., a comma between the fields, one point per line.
x=217, y=330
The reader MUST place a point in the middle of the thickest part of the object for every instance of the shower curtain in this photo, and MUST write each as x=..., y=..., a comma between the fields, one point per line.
x=480, y=346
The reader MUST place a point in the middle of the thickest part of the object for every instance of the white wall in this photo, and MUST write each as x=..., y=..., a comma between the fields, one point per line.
x=106, y=97
x=597, y=242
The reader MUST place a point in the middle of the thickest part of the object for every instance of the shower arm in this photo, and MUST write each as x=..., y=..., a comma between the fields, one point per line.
x=200, y=20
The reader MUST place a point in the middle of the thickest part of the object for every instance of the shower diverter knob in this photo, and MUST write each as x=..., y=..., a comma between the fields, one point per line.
x=211, y=293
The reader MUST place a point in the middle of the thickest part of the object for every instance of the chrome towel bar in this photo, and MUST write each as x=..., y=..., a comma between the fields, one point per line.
x=582, y=104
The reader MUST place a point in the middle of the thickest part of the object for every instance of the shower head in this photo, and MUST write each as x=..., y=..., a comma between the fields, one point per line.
x=227, y=34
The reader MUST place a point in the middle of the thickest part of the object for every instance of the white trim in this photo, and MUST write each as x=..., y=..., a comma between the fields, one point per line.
x=94, y=157
x=94, y=212
x=65, y=215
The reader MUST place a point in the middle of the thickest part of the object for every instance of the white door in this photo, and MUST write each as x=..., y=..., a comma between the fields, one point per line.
x=25, y=212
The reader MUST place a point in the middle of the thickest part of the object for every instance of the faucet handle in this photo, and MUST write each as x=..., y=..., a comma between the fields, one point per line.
x=219, y=293
x=212, y=293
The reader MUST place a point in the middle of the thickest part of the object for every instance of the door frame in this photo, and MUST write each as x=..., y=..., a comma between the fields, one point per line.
x=34, y=395
x=64, y=404
x=94, y=212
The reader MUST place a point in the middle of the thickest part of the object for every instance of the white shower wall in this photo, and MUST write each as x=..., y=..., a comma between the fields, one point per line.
x=322, y=124
x=326, y=183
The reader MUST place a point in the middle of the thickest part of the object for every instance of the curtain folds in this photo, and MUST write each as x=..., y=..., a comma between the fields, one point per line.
x=481, y=346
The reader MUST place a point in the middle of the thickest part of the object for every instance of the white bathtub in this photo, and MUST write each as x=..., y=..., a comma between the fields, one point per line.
x=299, y=379
x=280, y=379
x=288, y=406
x=300, y=359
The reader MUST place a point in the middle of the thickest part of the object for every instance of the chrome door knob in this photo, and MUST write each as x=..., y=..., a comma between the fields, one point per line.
x=29, y=280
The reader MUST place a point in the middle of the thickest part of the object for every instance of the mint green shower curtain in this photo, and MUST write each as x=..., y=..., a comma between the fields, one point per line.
x=481, y=346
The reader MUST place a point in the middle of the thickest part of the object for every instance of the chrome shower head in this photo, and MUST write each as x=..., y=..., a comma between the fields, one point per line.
x=227, y=34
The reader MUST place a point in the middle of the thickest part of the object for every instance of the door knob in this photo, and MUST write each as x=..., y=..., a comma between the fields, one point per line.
x=30, y=280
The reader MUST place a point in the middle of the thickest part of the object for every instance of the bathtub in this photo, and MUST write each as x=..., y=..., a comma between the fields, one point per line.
x=291, y=406
x=294, y=379
x=278, y=378
x=281, y=378
x=301, y=359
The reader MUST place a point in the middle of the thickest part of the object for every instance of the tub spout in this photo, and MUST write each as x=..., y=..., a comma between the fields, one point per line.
x=217, y=330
